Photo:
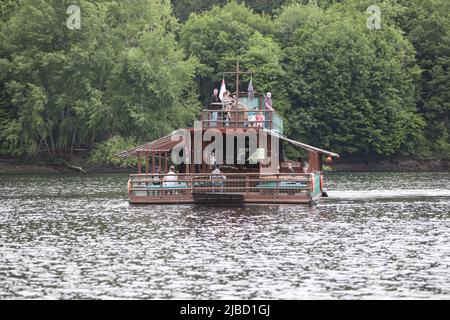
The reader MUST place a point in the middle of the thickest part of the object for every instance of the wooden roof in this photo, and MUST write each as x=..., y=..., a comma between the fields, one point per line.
x=161, y=145
x=165, y=144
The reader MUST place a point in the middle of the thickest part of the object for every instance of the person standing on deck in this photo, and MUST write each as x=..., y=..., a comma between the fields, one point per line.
x=227, y=103
x=268, y=102
x=269, y=109
x=214, y=105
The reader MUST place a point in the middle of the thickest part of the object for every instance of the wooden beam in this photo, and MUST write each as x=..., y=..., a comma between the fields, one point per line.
x=139, y=164
x=147, y=164
x=166, y=163
x=153, y=162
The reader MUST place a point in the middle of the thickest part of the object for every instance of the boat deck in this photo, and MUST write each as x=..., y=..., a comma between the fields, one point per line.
x=231, y=189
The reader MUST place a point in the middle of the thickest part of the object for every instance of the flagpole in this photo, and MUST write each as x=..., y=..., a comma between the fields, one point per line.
x=237, y=92
x=238, y=72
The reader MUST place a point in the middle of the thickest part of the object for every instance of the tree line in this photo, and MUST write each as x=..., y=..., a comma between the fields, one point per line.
x=137, y=69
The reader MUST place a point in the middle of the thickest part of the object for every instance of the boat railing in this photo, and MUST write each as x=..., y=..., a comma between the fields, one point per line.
x=241, y=118
x=153, y=185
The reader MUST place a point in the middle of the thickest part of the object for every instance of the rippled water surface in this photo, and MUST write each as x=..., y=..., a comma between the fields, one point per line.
x=379, y=235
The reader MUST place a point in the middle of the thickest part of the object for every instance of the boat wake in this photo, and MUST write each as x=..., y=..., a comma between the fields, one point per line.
x=388, y=194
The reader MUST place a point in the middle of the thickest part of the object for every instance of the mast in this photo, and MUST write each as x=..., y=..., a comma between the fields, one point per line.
x=237, y=83
x=237, y=94
x=238, y=73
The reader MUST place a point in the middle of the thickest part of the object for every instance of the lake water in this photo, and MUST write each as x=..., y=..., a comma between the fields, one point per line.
x=379, y=235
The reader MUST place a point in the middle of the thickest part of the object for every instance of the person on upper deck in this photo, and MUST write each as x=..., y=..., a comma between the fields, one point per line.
x=252, y=117
x=268, y=102
x=260, y=120
x=227, y=101
x=215, y=99
x=269, y=108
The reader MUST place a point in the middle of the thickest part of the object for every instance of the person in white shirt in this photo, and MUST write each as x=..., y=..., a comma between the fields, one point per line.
x=171, y=178
x=217, y=178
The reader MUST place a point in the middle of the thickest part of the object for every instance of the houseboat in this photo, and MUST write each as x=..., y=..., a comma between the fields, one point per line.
x=233, y=156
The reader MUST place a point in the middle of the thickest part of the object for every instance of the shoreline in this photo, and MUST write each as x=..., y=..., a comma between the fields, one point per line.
x=17, y=166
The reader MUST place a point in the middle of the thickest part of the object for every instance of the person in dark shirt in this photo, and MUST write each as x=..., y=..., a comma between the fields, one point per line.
x=215, y=97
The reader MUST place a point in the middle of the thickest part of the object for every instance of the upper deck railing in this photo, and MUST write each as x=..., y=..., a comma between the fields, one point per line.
x=217, y=117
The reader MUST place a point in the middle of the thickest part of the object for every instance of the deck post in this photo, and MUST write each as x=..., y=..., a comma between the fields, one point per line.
x=277, y=189
x=159, y=163
x=153, y=162
x=139, y=164
x=166, y=164
x=147, y=162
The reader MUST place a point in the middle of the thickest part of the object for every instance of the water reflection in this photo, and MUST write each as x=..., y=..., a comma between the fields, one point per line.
x=77, y=237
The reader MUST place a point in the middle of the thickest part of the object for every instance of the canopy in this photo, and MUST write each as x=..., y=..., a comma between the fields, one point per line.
x=162, y=145
x=302, y=145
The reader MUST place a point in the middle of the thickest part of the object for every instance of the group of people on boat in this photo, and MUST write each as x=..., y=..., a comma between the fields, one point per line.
x=169, y=180
x=251, y=118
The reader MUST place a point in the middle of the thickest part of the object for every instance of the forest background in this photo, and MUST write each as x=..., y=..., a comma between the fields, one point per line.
x=134, y=70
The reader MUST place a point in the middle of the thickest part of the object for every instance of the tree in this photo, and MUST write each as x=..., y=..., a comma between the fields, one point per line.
x=427, y=24
x=121, y=73
x=352, y=89
x=183, y=8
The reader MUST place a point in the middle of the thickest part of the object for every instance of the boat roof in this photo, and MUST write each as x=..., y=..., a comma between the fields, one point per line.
x=161, y=145
x=166, y=144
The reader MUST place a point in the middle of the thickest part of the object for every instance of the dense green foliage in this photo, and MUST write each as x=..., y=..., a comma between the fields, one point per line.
x=182, y=8
x=134, y=72
x=352, y=89
x=63, y=89
x=106, y=152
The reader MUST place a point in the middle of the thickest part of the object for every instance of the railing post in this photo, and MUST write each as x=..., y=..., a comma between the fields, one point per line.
x=139, y=164
x=246, y=186
x=277, y=189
